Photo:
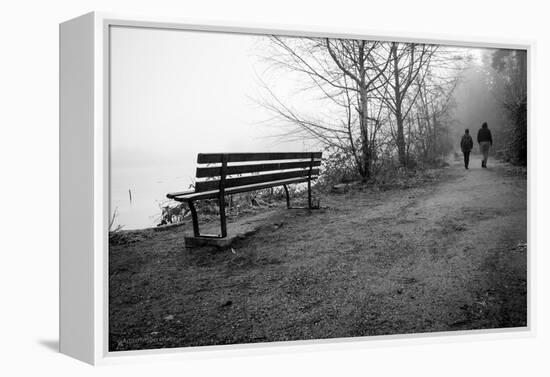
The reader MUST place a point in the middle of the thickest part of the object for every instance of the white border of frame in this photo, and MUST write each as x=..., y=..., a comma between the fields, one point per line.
x=101, y=111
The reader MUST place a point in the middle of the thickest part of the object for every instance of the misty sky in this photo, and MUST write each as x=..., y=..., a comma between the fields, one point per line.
x=177, y=93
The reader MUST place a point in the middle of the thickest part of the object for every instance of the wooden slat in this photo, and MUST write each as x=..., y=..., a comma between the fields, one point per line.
x=241, y=169
x=209, y=158
x=243, y=181
x=186, y=196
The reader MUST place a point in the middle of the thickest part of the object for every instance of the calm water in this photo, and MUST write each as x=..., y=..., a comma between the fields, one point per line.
x=148, y=187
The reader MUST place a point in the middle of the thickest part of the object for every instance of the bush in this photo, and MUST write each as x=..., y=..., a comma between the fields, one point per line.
x=337, y=168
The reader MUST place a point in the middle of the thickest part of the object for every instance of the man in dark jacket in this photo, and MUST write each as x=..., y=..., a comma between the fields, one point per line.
x=466, y=144
x=485, y=141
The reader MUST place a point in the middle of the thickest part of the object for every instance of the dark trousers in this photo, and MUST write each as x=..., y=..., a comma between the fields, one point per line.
x=466, y=158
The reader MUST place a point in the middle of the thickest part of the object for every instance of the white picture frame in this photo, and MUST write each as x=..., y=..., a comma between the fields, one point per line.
x=84, y=185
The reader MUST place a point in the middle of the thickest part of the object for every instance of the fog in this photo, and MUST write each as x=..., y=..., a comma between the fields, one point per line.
x=175, y=94
x=475, y=103
x=178, y=93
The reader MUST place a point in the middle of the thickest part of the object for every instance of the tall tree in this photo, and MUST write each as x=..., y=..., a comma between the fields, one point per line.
x=409, y=64
x=346, y=72
x=511, y=69
x=433, y=106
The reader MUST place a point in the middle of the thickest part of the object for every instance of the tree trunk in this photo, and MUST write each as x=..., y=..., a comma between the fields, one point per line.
x=434, y=135
x=366, y=150
x=366, y=154
x=401, y=152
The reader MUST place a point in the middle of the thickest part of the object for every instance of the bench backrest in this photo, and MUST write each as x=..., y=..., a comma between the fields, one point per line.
x=254, y=168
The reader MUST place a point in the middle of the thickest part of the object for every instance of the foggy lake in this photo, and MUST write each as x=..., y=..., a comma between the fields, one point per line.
x=138, y=192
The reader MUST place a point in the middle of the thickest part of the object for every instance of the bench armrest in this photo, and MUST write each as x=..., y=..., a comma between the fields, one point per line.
x=172, y=195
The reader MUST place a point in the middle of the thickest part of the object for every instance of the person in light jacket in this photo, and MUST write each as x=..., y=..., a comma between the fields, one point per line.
x=466, y=144
x=485, y=141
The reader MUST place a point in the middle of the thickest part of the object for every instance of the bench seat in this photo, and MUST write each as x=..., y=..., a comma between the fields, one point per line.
x=186, y=196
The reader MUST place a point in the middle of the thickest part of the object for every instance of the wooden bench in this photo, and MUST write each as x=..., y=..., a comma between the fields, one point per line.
x=221, y=174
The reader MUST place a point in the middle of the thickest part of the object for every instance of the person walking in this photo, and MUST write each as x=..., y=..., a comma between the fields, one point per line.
x=466, y=144
x=485, y=141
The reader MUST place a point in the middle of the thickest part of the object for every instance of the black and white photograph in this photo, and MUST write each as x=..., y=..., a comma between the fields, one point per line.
x=277, y=188
x=286, y=188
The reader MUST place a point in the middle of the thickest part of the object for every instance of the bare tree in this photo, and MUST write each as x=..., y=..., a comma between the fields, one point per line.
x=345, y=72
x=433, y=105
x=409, y=64
x=389, y=98
x=509, y=68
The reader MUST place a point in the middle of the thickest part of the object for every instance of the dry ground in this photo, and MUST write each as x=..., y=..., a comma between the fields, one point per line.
x=445, y=256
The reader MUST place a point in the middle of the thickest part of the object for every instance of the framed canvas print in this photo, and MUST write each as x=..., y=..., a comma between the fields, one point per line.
x=225, y=186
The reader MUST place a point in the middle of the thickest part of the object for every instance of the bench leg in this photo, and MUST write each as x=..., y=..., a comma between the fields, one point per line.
x=223, y=224
x=309, y=193
x=194, y=218
x=287, y=197
x=309, y=198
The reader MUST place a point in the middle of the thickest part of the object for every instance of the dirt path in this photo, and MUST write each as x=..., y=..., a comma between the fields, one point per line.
x=449, y=256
